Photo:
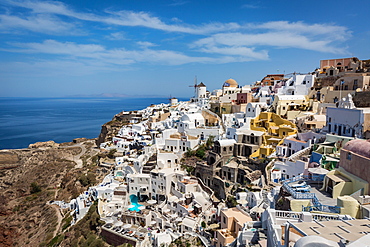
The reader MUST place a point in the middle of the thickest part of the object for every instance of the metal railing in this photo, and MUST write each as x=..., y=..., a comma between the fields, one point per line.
x=317, y=205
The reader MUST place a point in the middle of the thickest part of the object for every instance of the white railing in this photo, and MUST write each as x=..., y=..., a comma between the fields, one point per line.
x=287, y=214
x=272, y=232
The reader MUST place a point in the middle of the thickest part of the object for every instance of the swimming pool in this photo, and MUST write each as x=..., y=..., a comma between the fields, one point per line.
x=134, y=201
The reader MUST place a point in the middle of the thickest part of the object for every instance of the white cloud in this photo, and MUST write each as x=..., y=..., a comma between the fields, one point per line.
x=250, y=6
x=41, y=23
x=222, y=42
x=122, y=18
x=273, y=38
x=55, y=47
x=145, y=44
x=117, y=36
x=97, y=54
x=178, y=3
x=322, y=30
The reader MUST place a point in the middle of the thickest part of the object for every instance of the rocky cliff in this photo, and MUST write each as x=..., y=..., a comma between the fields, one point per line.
x=30, y=178
x=111, y=128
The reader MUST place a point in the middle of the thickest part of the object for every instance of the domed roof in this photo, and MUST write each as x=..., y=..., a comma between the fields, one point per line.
x=230, y=83
x=360, y=147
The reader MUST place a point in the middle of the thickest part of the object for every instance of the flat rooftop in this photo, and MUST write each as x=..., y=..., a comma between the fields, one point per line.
x=334, y=230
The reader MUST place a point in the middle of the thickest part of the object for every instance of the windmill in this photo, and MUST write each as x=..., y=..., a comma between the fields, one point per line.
x=195, y=86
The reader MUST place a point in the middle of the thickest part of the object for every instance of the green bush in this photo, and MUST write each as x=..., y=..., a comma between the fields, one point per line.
x=111, y=153
x=88, y=179
x=203, y=224
x=34, y=188
x=83, y=180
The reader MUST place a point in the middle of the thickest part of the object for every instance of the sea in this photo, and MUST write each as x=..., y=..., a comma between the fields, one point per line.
x=28, y=120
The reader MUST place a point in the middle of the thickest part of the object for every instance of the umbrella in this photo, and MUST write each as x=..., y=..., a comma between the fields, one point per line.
x=127, y=226
x=318, y=170
x=257, y=210
x=118, y=223
x=109, y=221
x=213, y=226
x=242, y=201
x=152, y=202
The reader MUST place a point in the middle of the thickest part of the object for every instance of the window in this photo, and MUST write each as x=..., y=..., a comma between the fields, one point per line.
x=329, y=120
x=355, y=84
x=349, y=156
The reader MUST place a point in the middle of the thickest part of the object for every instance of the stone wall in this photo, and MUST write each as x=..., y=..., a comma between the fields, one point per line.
x=362, y=99
x=115, y=239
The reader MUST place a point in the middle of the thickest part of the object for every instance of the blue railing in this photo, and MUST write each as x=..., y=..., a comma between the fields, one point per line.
x=317, y=205
x=322, y=208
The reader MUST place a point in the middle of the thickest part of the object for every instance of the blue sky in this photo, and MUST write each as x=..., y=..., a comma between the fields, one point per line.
x=147, y=47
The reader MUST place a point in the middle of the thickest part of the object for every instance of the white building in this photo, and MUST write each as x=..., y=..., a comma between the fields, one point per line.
x=297, y=85
x=139, y=185
x=180, y=143
x=346, y=120
x=254, y=109
x=167, y=159
x=161, y=182
x=292, y=145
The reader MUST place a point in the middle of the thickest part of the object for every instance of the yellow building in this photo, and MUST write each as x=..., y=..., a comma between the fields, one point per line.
x=339, y=182
x=275, y=128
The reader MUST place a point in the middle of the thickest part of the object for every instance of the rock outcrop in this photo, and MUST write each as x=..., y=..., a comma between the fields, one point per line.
x=111, y=128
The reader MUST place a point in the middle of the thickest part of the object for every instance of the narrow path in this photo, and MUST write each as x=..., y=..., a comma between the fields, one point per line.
x=60, y=218
x=77, y=158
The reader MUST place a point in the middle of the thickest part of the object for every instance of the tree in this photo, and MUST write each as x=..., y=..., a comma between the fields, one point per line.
x=203, y=224
x=210, y=141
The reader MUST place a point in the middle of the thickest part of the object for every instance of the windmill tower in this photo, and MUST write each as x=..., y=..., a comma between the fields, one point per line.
x=195, y=87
